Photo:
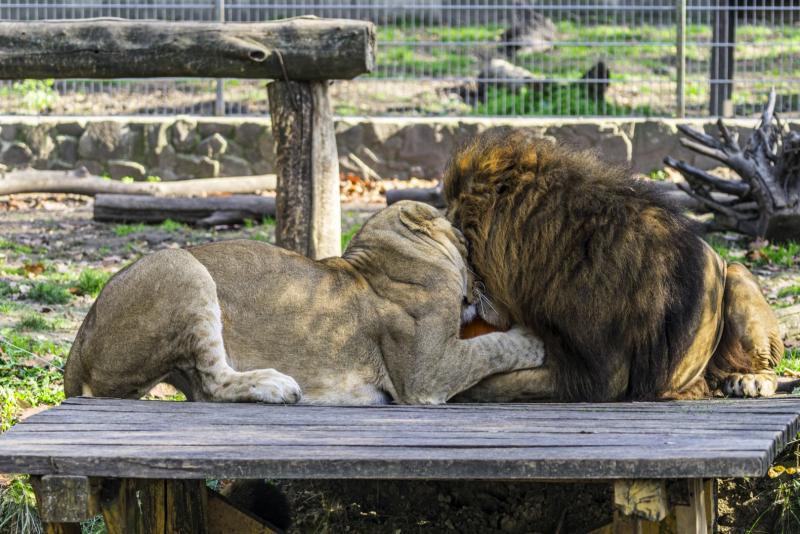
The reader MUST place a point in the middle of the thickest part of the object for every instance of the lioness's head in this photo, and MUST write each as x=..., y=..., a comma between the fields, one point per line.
x=414, y=242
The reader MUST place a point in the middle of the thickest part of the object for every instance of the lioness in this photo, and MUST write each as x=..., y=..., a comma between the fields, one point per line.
x=380, y=323
x=629, y=302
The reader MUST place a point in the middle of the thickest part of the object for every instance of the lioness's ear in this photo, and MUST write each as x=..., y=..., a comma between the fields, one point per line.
x=415, y=219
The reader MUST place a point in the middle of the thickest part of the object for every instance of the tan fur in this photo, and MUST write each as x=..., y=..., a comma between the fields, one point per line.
x=242, y=320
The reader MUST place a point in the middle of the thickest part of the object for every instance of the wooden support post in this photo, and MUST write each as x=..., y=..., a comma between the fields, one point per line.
x=308, y=209
x=64, y=501
x=700, y=516
x=723, y=25
x=154, y=506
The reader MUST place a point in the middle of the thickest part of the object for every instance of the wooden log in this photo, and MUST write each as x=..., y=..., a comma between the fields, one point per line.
x=80, y=182
x=302, y=48
x=643, y=499
x=308, y=209
x=154, y=506
x=202, y=211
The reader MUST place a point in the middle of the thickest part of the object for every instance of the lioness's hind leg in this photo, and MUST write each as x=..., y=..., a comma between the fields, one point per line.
x=751, y=346
x=221, y=382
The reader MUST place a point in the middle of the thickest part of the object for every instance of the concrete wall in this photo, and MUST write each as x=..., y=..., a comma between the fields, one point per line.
x=182, y=147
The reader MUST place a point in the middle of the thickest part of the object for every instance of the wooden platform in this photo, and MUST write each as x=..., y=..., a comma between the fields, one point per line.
x=169, y=440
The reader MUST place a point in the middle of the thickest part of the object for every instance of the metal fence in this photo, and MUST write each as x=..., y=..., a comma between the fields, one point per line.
x=477, y=57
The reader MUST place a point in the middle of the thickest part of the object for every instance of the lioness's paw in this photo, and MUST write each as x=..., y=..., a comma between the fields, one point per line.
x=274, y=387
x=750, y=385
x=529, y=345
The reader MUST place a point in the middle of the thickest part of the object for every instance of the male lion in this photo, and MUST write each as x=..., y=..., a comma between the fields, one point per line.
x=379, y=323
x=629, y=302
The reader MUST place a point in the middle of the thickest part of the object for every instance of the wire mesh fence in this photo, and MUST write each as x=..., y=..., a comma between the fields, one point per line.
x=477, y=57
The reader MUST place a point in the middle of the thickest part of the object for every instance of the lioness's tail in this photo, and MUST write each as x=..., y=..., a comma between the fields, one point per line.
x=75, y=372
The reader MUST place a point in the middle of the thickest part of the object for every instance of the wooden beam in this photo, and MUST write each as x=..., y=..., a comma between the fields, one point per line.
x=203, y=211
x=65, y=498
x=154, y=506
x=302, y=48
x=222, y=514
x=308, y=210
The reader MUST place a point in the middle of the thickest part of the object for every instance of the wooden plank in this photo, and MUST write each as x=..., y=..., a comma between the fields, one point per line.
x=110, y=437
x=154, y=506
x=302, y=48
x=383, y=463
x=222, y=514
x=695, y=518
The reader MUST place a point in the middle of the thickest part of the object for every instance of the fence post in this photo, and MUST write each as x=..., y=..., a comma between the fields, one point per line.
x=681, y=59
x=219, y=102
x=723, y=22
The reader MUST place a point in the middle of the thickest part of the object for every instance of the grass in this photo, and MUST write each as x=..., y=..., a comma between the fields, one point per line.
x=790, y=362
x=91, y=281
x=18, y=508
x=348, y=235
x=49, y=293
x=559, y=101
x=24, y=380
x=263, y=232
x=173, y=226
x=123, y=230
x=35, y=321
x=5, y=244
x=790, y=291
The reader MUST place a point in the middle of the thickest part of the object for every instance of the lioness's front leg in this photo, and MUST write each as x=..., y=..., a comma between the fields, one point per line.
x=466, y=362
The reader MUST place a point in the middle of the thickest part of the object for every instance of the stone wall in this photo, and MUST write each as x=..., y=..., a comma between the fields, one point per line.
x=181, y=147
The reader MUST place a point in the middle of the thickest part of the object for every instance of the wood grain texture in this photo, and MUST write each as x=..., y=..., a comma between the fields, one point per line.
x=192, y=210
x=118, y=438
x=302, y=48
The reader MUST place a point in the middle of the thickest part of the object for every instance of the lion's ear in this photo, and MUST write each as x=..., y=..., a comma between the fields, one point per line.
x=415, y=219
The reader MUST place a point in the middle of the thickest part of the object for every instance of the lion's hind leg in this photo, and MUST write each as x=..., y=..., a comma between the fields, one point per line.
x=751, y=346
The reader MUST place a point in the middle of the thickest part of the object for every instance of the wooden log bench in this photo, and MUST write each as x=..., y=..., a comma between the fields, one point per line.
x=142, y=464
x=301, y=55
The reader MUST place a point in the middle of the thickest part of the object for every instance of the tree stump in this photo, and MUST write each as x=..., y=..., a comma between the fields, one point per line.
x=765, y=201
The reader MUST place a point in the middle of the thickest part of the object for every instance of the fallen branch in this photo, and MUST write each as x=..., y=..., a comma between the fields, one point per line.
x=765, y=200
x=81, y=183
x=201, y=211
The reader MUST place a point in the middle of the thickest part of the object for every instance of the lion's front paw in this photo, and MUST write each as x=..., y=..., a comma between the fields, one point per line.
x=274, y=387
x=750, y=385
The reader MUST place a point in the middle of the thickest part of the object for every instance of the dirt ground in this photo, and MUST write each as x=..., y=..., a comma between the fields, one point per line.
x=54, y=238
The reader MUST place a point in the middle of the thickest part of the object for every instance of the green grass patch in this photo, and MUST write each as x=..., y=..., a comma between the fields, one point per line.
x=791, y=291
x=564, y=100
x=9, y=306
x=173, y=226
x=349, y=235
x=91, y=281
x=24, y=380
x=35, y=321
x=790, y=361
x=6, y=244
x=49, y=293
x=122, y=230
x=18, y=508
x=783, y=255
x=264, y=231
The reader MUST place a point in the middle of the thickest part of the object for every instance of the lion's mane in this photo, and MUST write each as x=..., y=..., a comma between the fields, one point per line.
x=606, y=272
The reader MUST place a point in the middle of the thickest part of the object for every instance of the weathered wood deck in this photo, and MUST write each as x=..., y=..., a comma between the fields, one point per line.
x=168, y=440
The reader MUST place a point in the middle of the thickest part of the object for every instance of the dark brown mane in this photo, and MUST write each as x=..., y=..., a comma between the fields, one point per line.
x=608, y=274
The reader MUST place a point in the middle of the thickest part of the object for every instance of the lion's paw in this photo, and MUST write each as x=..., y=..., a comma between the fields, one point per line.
x=274, y=387
x=750, y=385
